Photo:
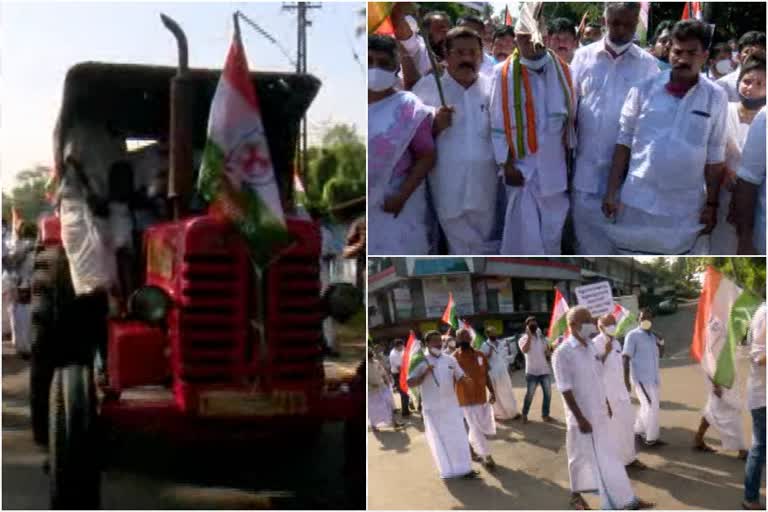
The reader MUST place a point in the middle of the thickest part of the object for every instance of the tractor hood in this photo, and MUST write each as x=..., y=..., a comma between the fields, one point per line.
x=134, y=101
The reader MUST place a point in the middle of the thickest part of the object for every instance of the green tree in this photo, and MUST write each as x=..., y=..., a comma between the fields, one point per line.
x=28, y=194
x=748, y=273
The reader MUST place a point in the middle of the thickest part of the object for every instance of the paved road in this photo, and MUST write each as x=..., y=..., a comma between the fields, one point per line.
x=156, y=474
x=532, y=460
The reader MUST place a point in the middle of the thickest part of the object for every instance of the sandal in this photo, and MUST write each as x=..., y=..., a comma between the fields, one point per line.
x=751, y=506
x=579, y=503
x=636, y=464
x=704, y=447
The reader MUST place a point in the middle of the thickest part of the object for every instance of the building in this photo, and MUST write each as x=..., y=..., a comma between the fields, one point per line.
x=411, y=293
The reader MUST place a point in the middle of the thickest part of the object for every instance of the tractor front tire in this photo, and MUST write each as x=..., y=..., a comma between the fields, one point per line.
x=75, y=476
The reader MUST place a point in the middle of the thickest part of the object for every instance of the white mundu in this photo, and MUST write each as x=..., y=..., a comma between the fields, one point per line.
x=443, y=417
x=623, y=419
x=536, y=211
x=724, y=414
x=593, y=459
x=671, y=141
x=505, y=406
x=463, y=182
x=601, y=82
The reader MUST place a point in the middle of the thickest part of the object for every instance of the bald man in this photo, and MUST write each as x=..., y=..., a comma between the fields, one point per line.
x=594, y=461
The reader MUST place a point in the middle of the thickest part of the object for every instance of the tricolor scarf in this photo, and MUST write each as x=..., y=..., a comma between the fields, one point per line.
x=520, y=117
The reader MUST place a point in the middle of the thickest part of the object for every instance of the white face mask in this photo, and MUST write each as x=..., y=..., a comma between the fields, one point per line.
x=587, y=330
x=452, y=344
x=535, y=65
x=435, y=351
x=610, y=330
x=724, y=66
x=617, y=49
x=380, y=79
x=646, y=325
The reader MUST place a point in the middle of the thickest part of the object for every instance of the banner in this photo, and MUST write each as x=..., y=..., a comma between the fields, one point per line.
x=597, y=298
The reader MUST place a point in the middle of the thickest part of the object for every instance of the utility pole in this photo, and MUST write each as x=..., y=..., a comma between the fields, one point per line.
x=301, y=68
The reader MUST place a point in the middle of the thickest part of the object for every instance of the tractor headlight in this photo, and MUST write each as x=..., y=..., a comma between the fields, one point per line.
x=149, y=304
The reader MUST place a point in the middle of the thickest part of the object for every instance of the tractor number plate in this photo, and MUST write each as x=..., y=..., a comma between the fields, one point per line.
x=236, y=403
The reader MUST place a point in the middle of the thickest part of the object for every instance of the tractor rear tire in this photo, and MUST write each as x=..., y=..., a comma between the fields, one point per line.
x=75, y=476
x=52, y=296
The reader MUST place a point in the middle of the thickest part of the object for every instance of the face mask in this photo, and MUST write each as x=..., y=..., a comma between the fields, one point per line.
x=646, y=325
x=752, y=103
x=452, y=344
x=587, y=330
x=610, y=330
x=380, y=80
x=617, y=48
x=724, y=66
x=533, y=327
x=535, y=65
x=435, y=351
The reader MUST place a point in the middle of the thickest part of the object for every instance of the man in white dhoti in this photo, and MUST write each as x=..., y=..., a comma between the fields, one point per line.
x=594, y=461
x=380, y=402
x=532, y=115
x=723, y=411
x=623, y=419
x=642, y=349
x=400, y=154
x=603, y=74
x=436, y=374
x=475, y=404
x=505, y=407
x=463, y=183
x=669, y=155
x=22, y=259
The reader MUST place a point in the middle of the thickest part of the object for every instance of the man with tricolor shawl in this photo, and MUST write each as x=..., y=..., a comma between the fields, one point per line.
x=722, y=321
x=623, y=419
x=475, y=403
x=641, y=353
x=436, y=374
x=505, y=407
x=401, y=151
x=667, y=166
x=594, y=462
x=603, y=73
x=532, y=116
x=463, y=183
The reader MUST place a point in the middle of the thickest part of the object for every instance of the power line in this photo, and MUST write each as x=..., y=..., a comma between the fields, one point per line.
x=267, y=36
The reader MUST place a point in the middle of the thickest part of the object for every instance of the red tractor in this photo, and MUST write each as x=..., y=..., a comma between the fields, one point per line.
x=210, y=348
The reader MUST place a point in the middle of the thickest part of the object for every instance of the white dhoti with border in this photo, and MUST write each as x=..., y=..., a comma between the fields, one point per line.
x=447, y=440
x=505, y=406
x=647, y=421
x=724, y=414
x=481, y=423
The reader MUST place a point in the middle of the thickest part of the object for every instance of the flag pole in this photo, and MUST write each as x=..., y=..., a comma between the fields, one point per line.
x=433, y=63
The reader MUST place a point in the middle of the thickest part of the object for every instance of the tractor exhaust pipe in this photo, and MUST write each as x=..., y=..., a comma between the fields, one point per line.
x=180, y=169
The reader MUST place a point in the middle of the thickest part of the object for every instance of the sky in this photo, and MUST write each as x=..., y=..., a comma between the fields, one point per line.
x=40, y=41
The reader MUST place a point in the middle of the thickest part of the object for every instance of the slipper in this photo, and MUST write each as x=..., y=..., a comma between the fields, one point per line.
x=471, y=475
x=751, y=506
x=642, y=504
x=548, y=419
x=578, y=503
x=703, y=447
x=517, y=417
x=636, y=464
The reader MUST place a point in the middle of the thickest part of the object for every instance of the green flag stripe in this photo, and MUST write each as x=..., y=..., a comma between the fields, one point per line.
x=738, y=325
x=560, y=326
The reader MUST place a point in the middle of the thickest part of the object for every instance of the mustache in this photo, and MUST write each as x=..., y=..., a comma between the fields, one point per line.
x=682, y=66
x=467, y=65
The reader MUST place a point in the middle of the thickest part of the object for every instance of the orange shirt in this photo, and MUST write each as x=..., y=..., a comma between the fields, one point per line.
x=475, y=365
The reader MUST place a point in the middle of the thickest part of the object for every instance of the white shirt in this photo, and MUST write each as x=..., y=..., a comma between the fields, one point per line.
x=497, y=354
x=578, y=369
x=613, y=369
x=752, y=169
x=417, y=50
x=756, y=379
x=602, y=82
x=730, y=84
x=437, y=390
x=395, y=360
x=464, y=177
x=671, y=141
x=535, y=359
x=736, y=136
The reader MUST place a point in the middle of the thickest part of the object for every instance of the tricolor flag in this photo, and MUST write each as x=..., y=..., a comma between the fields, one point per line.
x=507, y=16
x=379, y=21
x=642, y=27
x=236, y=174
x=558, y=323
x=692, y=10
x=449, y=315
x=722, y=321
x=477, y=338
x=412, y=356
x=625, y=320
